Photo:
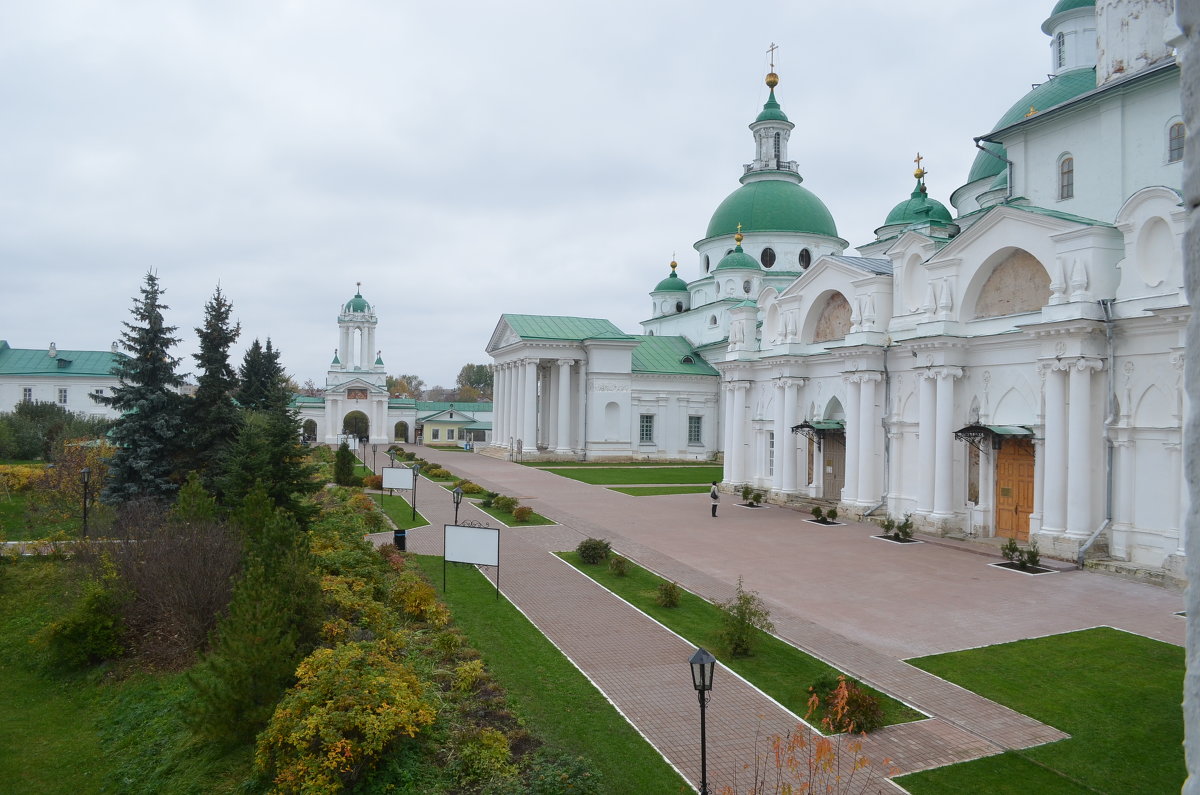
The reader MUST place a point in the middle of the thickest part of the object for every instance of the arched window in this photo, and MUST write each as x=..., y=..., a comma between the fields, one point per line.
x=678, y=306
x=805, y=258
x=688, y=360
x=776, y=150
x=1060, y=50
x=712, y=321
x=768, y=257
x=746, y=287
x=1066, y=178
x=1175, y=140
x=706, y=263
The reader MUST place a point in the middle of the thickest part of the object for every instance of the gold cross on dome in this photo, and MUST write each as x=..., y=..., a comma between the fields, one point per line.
x=918, y=159
x=771, y=52
x=739, y=229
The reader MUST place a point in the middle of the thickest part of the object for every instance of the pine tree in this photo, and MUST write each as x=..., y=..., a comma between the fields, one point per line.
x=267, y=451
x=262, y=382
x=212, y=417
x=147, y=435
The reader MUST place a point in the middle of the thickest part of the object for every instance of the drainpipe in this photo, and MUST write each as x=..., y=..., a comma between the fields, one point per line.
x=887, y=438
x=1109, y=420
x=1008, y=163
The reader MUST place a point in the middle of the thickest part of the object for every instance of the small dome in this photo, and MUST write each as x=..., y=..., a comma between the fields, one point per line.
x=737, y=259
x=772, y=205
x=356, y=305
x=771, y=110
x=918, y=208
x=672, y=283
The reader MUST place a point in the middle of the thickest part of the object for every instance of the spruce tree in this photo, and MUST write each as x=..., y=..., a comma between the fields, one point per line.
x=147, y=435
x=261, y=380
x=212, y=417
x=343, y=466
x=267, y=451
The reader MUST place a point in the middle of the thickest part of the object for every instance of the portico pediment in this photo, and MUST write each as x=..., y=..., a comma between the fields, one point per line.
x=355, y=389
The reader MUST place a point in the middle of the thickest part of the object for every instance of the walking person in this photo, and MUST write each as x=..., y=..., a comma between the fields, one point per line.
x=715, y=496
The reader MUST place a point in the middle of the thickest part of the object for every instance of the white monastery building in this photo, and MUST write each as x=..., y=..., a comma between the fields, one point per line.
x=54, y=375
x=1009, y=368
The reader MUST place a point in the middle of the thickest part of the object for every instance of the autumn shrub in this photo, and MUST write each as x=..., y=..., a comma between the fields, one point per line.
x=593, y=550
x=522, y=513
x=467, y=675
x=846, y=705
x=468, y=487
x=17, y=477
x=742, y=616
x=91, y=631
x=619, y=566
x=484, y=762
x=373, y=482
x=351, y=704
x=505, y=504
x=548, y=773
x=668, y=594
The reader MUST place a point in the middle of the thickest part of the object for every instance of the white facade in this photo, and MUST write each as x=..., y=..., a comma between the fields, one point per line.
x=50, y=375
x=1014, y=370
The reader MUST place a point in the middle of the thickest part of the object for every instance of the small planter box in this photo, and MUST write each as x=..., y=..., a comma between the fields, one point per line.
x=1033, y=570
x=892, y=540
x=747, y=505
x=824, y=524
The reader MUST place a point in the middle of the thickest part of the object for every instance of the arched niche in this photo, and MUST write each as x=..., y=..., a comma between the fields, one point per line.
x=612, y=421
x=1014, y=408
x=834, y=410
x=356, y=424
x=1156, y=251
x=913, y=282
x=829, y=318
x=1011, y=282
x=1155, y=409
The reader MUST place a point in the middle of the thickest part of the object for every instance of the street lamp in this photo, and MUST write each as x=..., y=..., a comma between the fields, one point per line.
x=86, y=474
x=702, y=663
x=416, y=477
x=458, y=492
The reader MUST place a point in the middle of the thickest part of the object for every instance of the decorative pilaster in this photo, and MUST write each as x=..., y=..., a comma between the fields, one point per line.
x=1054, y=505
x=926, y=436
x=868, y=488
x=1080, y=435
x=779, y=431
x=564, y=406
x=853, y=418
x=943, y=483
x=785, y=440
x=737, y=433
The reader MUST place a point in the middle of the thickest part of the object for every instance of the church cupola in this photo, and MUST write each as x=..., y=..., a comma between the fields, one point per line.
x=918, y=211
x=771, y=131
x=670, y=296
x=1071, y=27
x=356, y=337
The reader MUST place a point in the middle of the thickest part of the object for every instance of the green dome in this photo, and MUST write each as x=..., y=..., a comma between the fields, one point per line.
x=356, y=305
x=918, y=208
x=1054, y=91
x=736, y=259
x=672, y=283
x=771, y=110
x=772, y=205
x=1067, y=5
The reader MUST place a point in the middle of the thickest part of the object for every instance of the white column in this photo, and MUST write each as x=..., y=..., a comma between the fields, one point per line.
x=868, y=489
x=1039, y=480
x=564, y=406
x=785, y=440
x=1054, y=498
x=943, y=485
x=499, y=404
x=780, y=435
x=529, y=406
x=513, y=426
x=853, y=418
x=926, y=436
x=581, y=401
x=737, y=433
x=727, y=430
x=1079, y=452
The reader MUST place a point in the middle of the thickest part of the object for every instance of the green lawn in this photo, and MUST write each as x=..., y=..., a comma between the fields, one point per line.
x=15, y=524
x=779, y=669
x=573, y=464
x=654, y=491
x=399, y=511
x=547, y=691
x=1117, y=695
x=623, y=475
x=535, y=518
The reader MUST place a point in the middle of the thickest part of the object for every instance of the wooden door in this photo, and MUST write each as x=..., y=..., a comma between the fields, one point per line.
x=833, y=448
x=1014, y=488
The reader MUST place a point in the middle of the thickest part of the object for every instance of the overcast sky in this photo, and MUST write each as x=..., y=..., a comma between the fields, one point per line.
x=461, y=159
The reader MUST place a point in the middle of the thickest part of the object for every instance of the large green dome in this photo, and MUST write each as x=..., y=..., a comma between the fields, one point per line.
x=1054, y=91
x=918, y=208
x=772, y=205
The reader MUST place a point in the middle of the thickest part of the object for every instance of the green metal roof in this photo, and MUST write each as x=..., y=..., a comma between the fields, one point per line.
x=666, y=355
x=737, y=259
x=550, y=327
x=1054, y=91
x=441, y=405
x=357, y=305
x=672, y=283
x=478, y=426
x=1067, y=5
x=68, y=364
x=1077, y=219
x=771, y=110
x=772, y=205
x=918, y=208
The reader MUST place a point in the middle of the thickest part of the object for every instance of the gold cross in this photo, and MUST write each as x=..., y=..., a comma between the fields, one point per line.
x=771, y=51
x=739, y=229
x=918, y=160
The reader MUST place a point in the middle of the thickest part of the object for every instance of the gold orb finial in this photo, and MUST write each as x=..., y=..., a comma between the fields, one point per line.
x=920, y=172
x=674, y=265
x=772, y=80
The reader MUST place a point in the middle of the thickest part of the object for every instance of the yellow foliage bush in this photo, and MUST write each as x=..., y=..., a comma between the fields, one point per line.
x=17, y=477
x=350, y=705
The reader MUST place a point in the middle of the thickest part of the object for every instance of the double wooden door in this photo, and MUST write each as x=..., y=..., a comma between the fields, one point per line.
x=1014, y=488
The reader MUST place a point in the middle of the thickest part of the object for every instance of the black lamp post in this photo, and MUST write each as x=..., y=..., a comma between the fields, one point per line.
x=702, y=663
x=86, y=474
x=416, y=476
x=458, y=492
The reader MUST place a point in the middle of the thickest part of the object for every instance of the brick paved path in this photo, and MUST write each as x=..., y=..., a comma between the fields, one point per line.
x=847, y=609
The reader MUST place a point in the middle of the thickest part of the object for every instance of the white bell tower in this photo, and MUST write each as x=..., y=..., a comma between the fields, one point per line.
x=356, y=355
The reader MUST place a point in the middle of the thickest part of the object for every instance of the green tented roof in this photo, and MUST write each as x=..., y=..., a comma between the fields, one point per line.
x=1054, y=91
x=918, y=208
x=666, y=354
x=67, y=364
x=550, y=327
x=771, y=110
x=772, y=205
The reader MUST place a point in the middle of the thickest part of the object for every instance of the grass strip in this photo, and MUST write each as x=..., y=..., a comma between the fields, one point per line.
x=546, y=690
x=1115, y=693
x=655, y=491
x=611, y=464
x=648, y=476
x=399, y=511
x=535, y=518
x=777, y=668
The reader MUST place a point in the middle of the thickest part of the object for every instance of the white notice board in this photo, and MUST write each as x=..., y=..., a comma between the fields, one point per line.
x=397, y=478
x=477, y=545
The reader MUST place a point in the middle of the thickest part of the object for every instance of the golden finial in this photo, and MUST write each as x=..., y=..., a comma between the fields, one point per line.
x=1032, y=112
x=920, y=172
x=674, y=264
x=738, y=237
x=772, y=78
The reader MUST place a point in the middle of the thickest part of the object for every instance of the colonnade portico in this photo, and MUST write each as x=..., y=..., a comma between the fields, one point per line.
x=536, y=404
x=1071, y=431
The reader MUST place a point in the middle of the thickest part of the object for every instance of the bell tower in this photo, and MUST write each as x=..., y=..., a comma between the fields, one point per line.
x=356, y=355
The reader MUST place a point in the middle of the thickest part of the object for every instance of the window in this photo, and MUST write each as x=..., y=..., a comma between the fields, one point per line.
x=434, y=433
x=1066, y=178
x=27, y=394
x=771, y=453
x=678, y=306
x=805, y=258
x=777, y=147
x=695, y=430
x=768, y=257
x=450, y=434
x=712, y=321
x=1175, y=140
x=688, y=360
x=1060, y=50
x=62, y=395
x=706, y=263
x=646, y=429
x=746, y=287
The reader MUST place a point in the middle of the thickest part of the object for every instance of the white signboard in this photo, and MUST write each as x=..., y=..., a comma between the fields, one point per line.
x=397, y=478
x=477, y=545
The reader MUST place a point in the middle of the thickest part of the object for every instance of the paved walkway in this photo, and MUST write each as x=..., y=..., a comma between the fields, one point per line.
x=859, y=603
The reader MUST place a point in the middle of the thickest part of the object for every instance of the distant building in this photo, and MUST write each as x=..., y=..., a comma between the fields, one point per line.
x=53, y=375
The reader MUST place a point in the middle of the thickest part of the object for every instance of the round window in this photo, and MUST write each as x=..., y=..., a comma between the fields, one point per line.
x=679, y=306
x=746, y=287
x=768, y=257
x=805, y=258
